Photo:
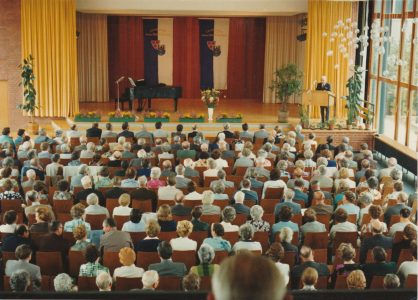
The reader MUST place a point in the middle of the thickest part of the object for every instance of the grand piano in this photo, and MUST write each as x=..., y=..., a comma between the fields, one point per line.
x=144, y=92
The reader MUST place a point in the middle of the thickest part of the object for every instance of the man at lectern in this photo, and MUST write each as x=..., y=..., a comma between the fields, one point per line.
x=324, y=86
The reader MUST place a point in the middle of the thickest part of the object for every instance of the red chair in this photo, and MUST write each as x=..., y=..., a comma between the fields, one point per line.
x=377, y=282
x=240, y=219
x=144, y=259
x=316, y=240
x=49, y=262
x=220, y=256
x=126, y=284
x=263, y=238
x=289, y=258
x=137, y=236
x=210, y=218
x=198, y=236
x=320, y=255
x=344, y=237
x=142, y=205
x=111, y=203
x=205, y=283
x=86, y=283
x=111, y=260
x=169, y=283
x=232, y=237
x=411, y=282
x=186, y=257
x=120, y=220
x=75, y=260
x=96, y=221
x=405, y=255
x=274, y=193
x=268, y=205
x=341, y=283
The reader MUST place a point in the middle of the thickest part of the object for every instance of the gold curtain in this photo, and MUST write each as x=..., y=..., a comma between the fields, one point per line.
x=281, y=48
x=49, y=34
x=92, y=56
x=322, y=16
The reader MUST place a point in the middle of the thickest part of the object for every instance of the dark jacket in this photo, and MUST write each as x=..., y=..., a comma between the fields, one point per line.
x=147, y=245
x=250, y=195
x=54, y=243
x=180, y=210
x=199, y=225
x=39, y=227
x=241, y=208
x=296, y=272
x=114, y=192
x=145, y=194
x=126, y=133
x=168, y=225
x=378, y=269
x=371, y=242
x=12, y=241
x=94, y=132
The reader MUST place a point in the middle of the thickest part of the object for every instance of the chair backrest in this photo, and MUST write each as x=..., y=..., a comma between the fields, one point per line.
x=221, y=203
x=69, y=236
x=208, y=179
x=405, y=255
x=377, y=282
x=144, y=259
x=321, y=284
x=86, y=283
x=210, y=218
x=341, y=282
x=126, y=284
x=394, y=219
x=120, y=220
x=240, y=219
x=344, y=237
x=62, y=206
x=240, y=171
x=263, y=238
x=320, y=255
x=411, y=282
x=324, y=219
x=198, y=236
x=95, y=221
x=165, y=201
x=268, y=205
x=274, y=193
x=289, y=258
x=14, y=204
x=369, y=258
x=205, y=283
x=49, y=262
x=316, y=240
x=169, y=283
x=63, y=217
x=75, y=260
x=186, y=257
x=142, y=205
x=167, y=235
x=137, y=236
x=111, y=260
x=7, y=256
x=352, y=218
x=297, y=219
x=232, y=237
x=111, y=203
x=220, y=256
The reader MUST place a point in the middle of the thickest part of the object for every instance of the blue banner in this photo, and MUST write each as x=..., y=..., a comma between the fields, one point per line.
x=150, y=54
x=206, y=33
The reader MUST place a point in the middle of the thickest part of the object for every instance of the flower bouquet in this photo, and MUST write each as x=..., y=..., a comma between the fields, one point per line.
x=229, y=118
x=156, y=116
x=192, y=118
x=90, y=116
x=211, y=98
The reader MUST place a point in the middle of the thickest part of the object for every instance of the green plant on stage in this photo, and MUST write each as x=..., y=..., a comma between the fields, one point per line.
x=304, y=116
x=29, y=104
x=353, y=100
x=287, y=82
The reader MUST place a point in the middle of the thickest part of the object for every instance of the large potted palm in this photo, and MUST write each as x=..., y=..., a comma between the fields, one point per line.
x=287, y=82
x=29, y=93
x=353, y=100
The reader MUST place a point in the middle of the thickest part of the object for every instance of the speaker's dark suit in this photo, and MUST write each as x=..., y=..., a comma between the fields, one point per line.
x=324, y=109
x=94, y=132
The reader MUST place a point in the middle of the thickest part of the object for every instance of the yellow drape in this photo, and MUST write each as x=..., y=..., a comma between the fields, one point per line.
x=281, y=48
x=92, y=55
x=49, y=34
x=322, y=16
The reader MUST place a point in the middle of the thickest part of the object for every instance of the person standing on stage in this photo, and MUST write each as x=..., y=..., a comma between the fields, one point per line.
x=324, y=86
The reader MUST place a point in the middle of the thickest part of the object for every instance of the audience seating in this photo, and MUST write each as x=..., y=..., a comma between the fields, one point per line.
x=316, y=240
x=95, y=221
x=75, y=260
x=86, y=283
x=126, y=284
x=411, y=282
x=169, y=283
x=377, y=282
x=186, y=257
x=220, y=256
x=142, y=205
x=341, y=282
x=111, y=260
x=120, y=220
x=49, y=262
x=111, y=203
x=205, y=283
x=144, y=259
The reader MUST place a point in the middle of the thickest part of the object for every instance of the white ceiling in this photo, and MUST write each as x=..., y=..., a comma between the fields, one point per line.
x=194, y=7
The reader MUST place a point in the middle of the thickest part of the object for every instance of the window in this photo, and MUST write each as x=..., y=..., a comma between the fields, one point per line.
x=413, y=125
x=402, y=111
x=388, y=124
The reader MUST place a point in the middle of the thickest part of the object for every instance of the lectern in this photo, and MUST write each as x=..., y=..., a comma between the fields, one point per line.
x=319, y=98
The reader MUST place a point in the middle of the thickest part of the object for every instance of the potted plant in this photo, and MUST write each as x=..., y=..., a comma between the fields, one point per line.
x=29, y=93
x=331, y=124
x=369, y=119
x=192, y=118
x=304, y=116
x=287, y=82
x=353, y=100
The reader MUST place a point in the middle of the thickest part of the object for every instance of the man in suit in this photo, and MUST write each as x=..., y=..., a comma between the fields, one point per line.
x=186, y=152
x=94, y=131
x=144, y=133
x=169, y=191
x=298, y=189
x=167, y=267
x=181, y=181
x=240, y=207
x=248, y=193
x=197, y=224
x=19, y=237
x=221, y=175
x=319, y=206
x=378, y=239
x=324, y=86
x=125, y=131
x=261, y=133
x=244, y=160
x=179, y=209
x=113, y=240
x=87, y=190
x=395, y=210
x=54, y=241
x=228, y=134
x=189, y=171
x=288, y=197
x=108, y=132
x=24, y=255
x=143, y=193
x=307, y=260
x=245, y=133
x=315, y=187
x=379, y=266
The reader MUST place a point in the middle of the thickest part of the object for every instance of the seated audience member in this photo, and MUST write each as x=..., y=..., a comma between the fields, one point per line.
x=42, y=217
x=284, y=220
x=216, y=241
x=19, y=237
x=179, y=209
x=309, y=279
x=34, y=199
x=183, y=243
x=409, y=267
x=228, y=216
x=192, y=194
x=62, y=192
x=288, y=201
x=341, y=224
x=220, y=162
x=113, y=240
x=54, y=241
x=307, y=260
x=80, y=236
x=347, y=253
x=274, y=182
x=344, y=176
x=130, y=181
x=19, y=281
x=378, y=239
x=257, y=222
x=379, y=266
x=286, y=237
x=310, y=224
x=24, y=255
x=219, y=191
x=403, y=222
x=322, y=176
x=409, y=235
x=103, y=179
x=9, y=220
x=232, y=281
x=143, y=193
x=373, y=188
x=150, y=280
x=92, y=268
x=181, y=181
x=276, y=254
x=115, y=160
x=375, y=212
x=391, y=281
x=77, y=213
x=104, y=282
x=189, y=168
x=245, y=159
x=207, y=204
x=246, y=242
x=191, y=282
x=94, y=208
x=239, y=205
x=165, y=218
x=168, y=192
x=135, y=223
x=319, y=206
x=26, y=185
x=87, y=190
x=127, y=258
x=365, y=200
x=349, y=204
x=356, y=280
x=315, y=187
x=123, y=209
x=385, y=172
x=83, y=171
x=206, y=255
x=8, y=193
x=395, y=210
x=248, y=193
x=222, y=178
x=64, y=283
x=151, y=241
x=167, y=267
x=197, y=224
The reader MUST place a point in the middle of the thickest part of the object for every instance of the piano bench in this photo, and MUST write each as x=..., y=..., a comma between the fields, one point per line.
x=122, y=102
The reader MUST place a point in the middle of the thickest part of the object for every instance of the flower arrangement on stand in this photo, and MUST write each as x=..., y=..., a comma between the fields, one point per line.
x=90, y=116
x=229, y=118
x=211, y=98
x=121, y=116
x=156, y=116
x=192, y=118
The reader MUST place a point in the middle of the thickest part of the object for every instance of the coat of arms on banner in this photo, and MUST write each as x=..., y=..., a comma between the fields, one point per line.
x=215, y=49
x=159, y=48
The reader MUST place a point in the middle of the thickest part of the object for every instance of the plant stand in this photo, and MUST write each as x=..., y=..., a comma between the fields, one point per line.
x=153, y=120
x=85, y=119
x=121, y=119
x=191, y=120
x=210, y=113
x=229, y=120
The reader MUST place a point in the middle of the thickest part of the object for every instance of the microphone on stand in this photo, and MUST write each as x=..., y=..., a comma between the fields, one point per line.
x=117, y=85
x=120, y=79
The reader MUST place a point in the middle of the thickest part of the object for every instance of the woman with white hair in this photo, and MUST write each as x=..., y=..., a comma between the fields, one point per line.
x=155, y=182
x=65, y=152
x=89, y=152
x=206, y=255
x=218, y=189
x=286, y=236
x=308, y=154
x=212, y=170
x=207, y=204
x=246, y=234
x=256, y=213
x=165, y=149
x=228, y=216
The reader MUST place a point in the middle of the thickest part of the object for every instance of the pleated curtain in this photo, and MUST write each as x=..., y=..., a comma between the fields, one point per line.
x=92, y=56
x=49, y=34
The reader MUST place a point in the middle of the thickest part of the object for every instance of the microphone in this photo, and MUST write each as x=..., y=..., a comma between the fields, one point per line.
x=120, y=79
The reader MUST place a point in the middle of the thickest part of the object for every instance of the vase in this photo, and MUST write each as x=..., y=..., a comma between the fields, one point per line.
x=210, y=113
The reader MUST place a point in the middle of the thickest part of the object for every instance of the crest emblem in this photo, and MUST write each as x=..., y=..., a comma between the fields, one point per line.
x=158, y=47
x=216, y=50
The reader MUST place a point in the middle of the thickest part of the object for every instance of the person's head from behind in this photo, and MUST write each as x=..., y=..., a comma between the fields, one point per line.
x=286, y=235
x=42, y=214
x=206, y=254
x=127, y=256
x=86, y=182
x=346, y=252
x=275, y=252
x=164, y=250
x=217, y=229
x=356, y=280
x=80, y=232
x=135, y=215
x=92, y=199
x=152, y=229
x=92, y=254
x=340, y=215
x=306, y=254
x=10, y=217
x=246, y=232
x=150, y=280
x=409, y=232
x=285, y=214
x=191, y=282
x=228, y=214
x=236, y=280
x=309, y=276
x=109, y=224
x=22, y=230
x=19, y=281
x=391, y=281
x=23, y=252
x=104, y=282
x=379, y=254
x=63, y=283
x=184, y=228
x=164, y=213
